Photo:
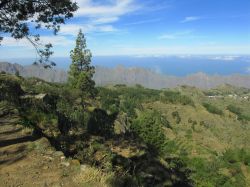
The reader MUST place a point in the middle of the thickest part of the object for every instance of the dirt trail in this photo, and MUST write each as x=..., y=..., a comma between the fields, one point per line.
x=30, y=162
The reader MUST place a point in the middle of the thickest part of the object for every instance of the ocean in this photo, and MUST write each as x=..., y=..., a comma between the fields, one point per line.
x=180, y=65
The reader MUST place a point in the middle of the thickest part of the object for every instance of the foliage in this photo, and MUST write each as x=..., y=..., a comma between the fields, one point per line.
x=176, y=97
x=100, y=123
x=176, y=116
x=231, y=156
x=210, y=172
x=212, y=109
x=10, y=88
x=205, y=173
x=164, y=154
x=238, y=111
x=148, y=126
x=109, y=100
x=81, y=72
x=234, y=109
x=16, y=15
x=126, y=99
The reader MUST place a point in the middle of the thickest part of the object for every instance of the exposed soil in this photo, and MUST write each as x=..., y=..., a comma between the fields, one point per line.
x=31, y=162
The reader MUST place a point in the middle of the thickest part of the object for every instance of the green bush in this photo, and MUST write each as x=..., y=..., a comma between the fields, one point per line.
x=100, y=123
x=148, y=126
x=206, y=173
x=176, y=97
x=234, y=109
x=126, y=99
x=212, y=109
x=10, y=89
x=232, y=156
x=176, y=116
x=238, y=111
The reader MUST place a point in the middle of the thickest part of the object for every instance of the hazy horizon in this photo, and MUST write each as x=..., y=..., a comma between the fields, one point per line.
x=175, y=65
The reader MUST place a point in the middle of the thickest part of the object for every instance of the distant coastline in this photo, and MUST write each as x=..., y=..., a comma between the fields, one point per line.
x=131, y=76
x=174, y=65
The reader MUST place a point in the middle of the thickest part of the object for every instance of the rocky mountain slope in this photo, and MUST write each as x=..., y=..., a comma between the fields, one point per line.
x=51, y=75
x=131, y=76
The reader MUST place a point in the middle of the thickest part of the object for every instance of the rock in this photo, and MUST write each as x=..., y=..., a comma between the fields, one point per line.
x=58, y=154
x=83, y=167
x=66, y=164
x=45, y=167
x=75, y=162
x=121, y=124
x=50, y=152
x=62, y=157
x=43, y=143
x=48, y=158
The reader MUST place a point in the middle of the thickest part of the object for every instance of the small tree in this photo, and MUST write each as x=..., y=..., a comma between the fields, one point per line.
x=148, y=126
x=81, y=72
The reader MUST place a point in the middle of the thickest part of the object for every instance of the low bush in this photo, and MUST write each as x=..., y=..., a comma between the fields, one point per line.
x=176, y=116
x=212, y=109
x=10, y=89
x=148, y=126
x=176, y=98
x=238, y=111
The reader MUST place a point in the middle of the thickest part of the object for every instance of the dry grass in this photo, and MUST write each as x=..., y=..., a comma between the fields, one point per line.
x=218, y=134
x=93, y=177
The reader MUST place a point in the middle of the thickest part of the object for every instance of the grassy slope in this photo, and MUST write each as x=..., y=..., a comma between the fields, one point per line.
x=199, y=133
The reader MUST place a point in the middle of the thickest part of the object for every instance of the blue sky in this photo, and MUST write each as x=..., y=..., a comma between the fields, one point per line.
x=149, y=27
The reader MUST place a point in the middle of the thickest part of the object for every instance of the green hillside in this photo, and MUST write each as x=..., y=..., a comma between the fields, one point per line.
x=139, y=136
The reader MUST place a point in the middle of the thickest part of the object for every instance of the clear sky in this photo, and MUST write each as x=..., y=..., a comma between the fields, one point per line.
x=150, y=27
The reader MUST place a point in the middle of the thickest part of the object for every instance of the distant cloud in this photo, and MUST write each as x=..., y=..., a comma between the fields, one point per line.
x=225, y=58
x=57, y=40
x=105, y=20
x=11, y=42
x=176, y=35
x=190, y=18
x=114, y=8
x=73, y=29
x=144, y=21
x=100, y=16
x=176, y=50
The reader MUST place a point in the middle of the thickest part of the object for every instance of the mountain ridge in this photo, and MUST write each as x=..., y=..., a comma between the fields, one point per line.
x=131, y=76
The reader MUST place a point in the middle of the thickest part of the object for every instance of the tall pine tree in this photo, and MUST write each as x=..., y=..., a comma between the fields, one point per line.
x=81, y=72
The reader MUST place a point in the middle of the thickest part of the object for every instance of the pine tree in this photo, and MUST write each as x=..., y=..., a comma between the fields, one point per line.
x=23, y=18
x=81, y=72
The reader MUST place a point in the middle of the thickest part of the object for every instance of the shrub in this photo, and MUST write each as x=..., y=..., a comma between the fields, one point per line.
x=238, y=111
x=176, y=97
x=244, y=117
x=212, y=109
x=100, y=123
x=148, y=126
x=177, y=117
x=236, y=155
x=234, y=109
x=10, y=88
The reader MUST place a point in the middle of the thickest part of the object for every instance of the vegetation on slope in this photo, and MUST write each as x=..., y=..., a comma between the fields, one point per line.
x=167, y=143
x=138, y=136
